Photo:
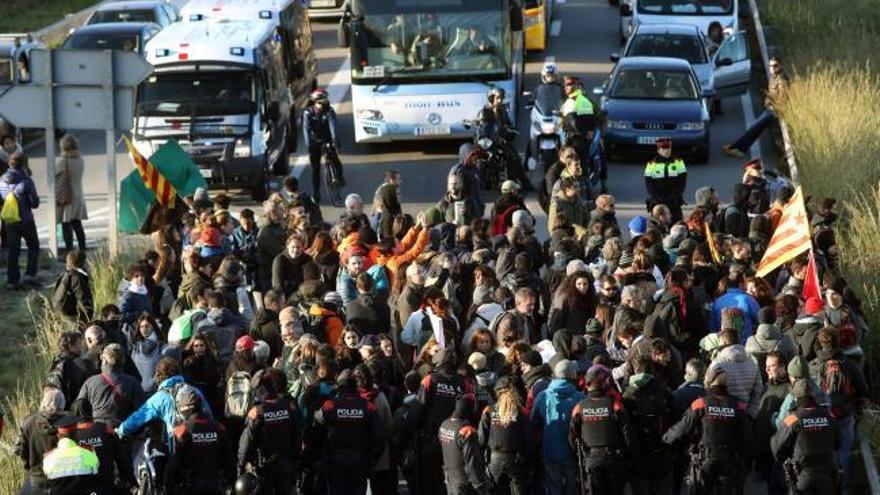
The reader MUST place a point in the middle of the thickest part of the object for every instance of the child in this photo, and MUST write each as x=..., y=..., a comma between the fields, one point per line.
x=208, y=236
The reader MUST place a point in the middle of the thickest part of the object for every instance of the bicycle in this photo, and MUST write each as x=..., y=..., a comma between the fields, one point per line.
x=332, y=182
x=148, y=477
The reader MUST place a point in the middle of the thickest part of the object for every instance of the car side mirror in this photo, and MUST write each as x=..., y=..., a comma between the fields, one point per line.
x=614, y=57
x=724, y=62
x=599, y=91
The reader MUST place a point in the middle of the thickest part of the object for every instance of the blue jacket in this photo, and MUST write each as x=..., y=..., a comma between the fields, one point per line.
x=17, y=182
x=159, y=406
x=132, y=305
x=552, y=409
x=346, y=287
x=736, y=298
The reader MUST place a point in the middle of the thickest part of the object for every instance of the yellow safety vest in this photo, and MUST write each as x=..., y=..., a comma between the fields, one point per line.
x=662, y=170
x=69, y=459
x=578, y=104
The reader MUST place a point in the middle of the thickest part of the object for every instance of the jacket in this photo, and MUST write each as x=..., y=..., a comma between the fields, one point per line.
x=564, y=212
x=552, y=411
x=770, y=338
x=68, y=373
x=224, y=328
x=145, y=355
x=132, y=305
x=386, y=422
x=16, y=181
x=36, y=437
x=270, y=243
x=319, y=127
x=737, y=298
x=287, y=272
x=346, y=286
x=76, y=282
x=805, y=332
x=368, y=314
x=763, y=426
x=113, y=396
x=743, y=378
x=191, y=285
x=267, y=328
x=76, y=208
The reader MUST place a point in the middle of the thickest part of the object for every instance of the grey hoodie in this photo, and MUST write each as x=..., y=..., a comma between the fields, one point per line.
x=743, y=378
x=770, y=338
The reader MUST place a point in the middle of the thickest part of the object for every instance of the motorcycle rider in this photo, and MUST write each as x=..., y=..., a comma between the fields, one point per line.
x=319, y=130
x=495, y=112
x=551, y=90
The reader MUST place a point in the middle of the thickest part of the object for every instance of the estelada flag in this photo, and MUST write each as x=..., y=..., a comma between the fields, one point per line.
x=713, y=248
x=153, y=179
x=811, y=280
x=791, y=237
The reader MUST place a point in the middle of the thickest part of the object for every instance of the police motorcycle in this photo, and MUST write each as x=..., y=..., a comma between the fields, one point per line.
x=489, y=153
x=545, y=127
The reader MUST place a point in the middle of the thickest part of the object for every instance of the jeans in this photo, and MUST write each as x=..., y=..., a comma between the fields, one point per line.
x=844, y=453
x=67, y=231
x=14, y=234
x=754, y=131
x=559, y=474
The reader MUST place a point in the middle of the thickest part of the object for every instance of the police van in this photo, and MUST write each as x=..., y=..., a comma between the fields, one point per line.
x=698, y=13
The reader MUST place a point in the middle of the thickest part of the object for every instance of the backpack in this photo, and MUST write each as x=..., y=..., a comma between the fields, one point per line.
x=10, y=213
x=183, y=327
x=239, y=395
x=179, y=418
x=63, y=298
x=837, y=385
x=651, y=418
x=178, y=307
x=669, y=312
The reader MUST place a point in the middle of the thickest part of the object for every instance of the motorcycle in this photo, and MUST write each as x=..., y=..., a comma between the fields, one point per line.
x=490, y=153
x=545, y=128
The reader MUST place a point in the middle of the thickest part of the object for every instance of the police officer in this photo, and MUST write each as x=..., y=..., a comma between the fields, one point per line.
x=462, y=459
x=504, y=435
x=666, y=179
x=807, y=441
x=113, y=455
x=271, y=438
x=577, y=102
x=201, y=450
x=602, y=434
x=319, y=130
x=71, y=469
x=354, y=437
x=720, y=430
x=437, y=395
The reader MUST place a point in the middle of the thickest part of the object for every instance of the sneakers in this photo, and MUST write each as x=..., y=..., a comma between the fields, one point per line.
x=731, y=151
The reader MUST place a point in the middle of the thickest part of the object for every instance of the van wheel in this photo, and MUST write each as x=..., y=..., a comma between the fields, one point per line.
x=260, y=191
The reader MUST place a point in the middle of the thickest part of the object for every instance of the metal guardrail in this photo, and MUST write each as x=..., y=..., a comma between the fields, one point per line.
x=864, y=443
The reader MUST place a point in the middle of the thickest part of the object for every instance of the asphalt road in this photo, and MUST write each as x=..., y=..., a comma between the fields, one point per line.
x=587, y=34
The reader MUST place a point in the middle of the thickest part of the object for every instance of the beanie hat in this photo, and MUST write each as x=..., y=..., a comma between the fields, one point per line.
x=594, y=327
x=767, y=315
x=477, y=361
x=522, y=219
x=187, y=397
x=703, y=196
x=531, y=358
x=433, y=216
x=575, y=266
x=245, y=343
x=813, y=305
x=638, y=225
x=565, y=369
x=798, y=367
x=801, y=389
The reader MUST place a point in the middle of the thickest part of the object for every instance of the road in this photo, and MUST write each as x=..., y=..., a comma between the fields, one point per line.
x=583, y=35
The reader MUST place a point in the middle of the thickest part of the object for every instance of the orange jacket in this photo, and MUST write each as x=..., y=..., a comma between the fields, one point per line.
x=412, y=245
x=332, y=323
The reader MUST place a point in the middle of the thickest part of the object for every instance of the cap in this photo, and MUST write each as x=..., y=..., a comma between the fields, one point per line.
x=753, y=164
x=245, y=343
x=65, y=423
x=597, y=374
x=369, y=341
x=287, y=315
x=565, y=369
x=333, y=297
x=477, y=361
x=813, y=305
x=801, y=389
x=594, y=327
x=509, y=186
x=638, y=225
x=576, y=266
x=532, y=358
x=664, y=143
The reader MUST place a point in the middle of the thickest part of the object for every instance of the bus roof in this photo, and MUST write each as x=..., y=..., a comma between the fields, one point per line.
x=235, y=10
x=225, y=41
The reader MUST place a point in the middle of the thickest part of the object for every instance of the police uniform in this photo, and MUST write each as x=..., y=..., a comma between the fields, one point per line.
x=462, y=459
x=602, y=432
x=808, y=439
x=665, y=181
x=201, y=454
x=271, y=442
x=508, y=449
x=721, y=423
x=111, y=452
x=354, y=441
x=72, y=470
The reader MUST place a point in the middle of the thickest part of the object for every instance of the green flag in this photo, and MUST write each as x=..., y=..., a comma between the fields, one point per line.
x=135, y=202
x=178, y=168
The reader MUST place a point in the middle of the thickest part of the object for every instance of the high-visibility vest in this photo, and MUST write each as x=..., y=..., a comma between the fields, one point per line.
x=661, y=170
x=69, y=459
x=578, y=104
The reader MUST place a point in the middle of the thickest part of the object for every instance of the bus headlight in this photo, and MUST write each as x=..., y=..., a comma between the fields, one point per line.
x=484, y=143
x=693, y=126
x=617, y=124
x=548, y=128
x=242, y=148
x=370, y=115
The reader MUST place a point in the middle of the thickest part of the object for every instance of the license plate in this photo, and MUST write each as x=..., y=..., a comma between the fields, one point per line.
x=647, y=139
x=436, y=130
x=322, y=3
x=548, y=144
x=206, y=172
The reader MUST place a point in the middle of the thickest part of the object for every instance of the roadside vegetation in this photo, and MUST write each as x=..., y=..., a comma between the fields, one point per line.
x=22, y=16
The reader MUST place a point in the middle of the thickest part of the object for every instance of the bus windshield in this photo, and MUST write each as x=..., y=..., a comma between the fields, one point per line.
x=197, y=94
x=686, y=7
x=429, y=39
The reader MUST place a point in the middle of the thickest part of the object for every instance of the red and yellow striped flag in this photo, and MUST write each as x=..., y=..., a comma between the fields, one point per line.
x=155, y=181
x=791, y=237
x=713, y=248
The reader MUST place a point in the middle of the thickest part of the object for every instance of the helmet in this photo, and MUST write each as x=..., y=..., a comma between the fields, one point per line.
x=495, y=92
x=318, y=95
x=247, y=484
x=549, y=70
x=188, y=399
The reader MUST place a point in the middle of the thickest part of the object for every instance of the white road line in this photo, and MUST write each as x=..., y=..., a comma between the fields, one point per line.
x=749, y=117
x=336, y=91
x=555, y=28
x=550, y=59
x=560, y=2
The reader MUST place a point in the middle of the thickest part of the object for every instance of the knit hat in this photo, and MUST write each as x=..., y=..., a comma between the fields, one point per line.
x=575, y=266
x=334, y=298
x=245, y=343
x=531, y=358
x=477, y=361
x=767, y=315
x=187, y=397
x=638, y=225
x=798, y=368
x=565, y=369
x=509, y=186
x=369, y=341
x=594, y=327
x=813, y=305
x=703, y=196
x=596, y=374
x=522, y=219
x=801, y=389
x=433, y=216
x=287, y=315
x=482, y=295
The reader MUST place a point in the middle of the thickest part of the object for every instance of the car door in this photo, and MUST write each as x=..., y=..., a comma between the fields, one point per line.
x=733, y=67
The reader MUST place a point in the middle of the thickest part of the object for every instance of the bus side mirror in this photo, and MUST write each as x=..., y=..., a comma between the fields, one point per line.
x=343, y=34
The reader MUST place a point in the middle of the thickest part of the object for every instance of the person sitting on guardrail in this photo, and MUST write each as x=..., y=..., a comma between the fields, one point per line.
x=775, y=89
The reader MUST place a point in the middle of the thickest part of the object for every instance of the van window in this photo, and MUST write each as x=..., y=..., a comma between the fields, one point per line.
x=686, y=7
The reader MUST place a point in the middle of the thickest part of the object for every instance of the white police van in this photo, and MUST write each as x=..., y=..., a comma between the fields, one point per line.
x=698, y=13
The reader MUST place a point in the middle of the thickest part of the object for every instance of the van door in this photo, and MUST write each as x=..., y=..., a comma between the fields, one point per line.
x=733, y=67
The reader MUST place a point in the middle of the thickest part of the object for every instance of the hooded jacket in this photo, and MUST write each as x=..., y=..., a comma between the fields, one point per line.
x=192, y=284
x=743, y=378
x=552, y=410
x=36, y=437
x=734, y=220
x=266, y=327
x=770, y=338
x=16, y=181
x=805, y=332
x=368, y=314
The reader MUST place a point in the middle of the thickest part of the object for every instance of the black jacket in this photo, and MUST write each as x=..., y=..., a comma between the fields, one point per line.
x=68, y=373
x=36, y=437
x=114, y=395
x=368, y=315
x=287, y=272
x=267, y=328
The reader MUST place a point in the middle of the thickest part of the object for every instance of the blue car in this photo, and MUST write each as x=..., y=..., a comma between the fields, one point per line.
x=646, y=98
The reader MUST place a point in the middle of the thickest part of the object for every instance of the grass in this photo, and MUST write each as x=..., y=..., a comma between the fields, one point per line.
x=30, y=15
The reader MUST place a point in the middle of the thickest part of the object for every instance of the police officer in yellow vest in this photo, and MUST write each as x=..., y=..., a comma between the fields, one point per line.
x=666, y=179
x=70, y=468
x=576, y=103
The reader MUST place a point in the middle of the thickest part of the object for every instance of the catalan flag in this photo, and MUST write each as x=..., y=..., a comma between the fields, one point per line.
x=165, y=193
x=713, y=248
x=791, y=237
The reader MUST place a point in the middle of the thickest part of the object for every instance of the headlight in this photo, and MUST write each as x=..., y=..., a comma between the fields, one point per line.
x=548, y=127
x=370, y=115
x=617, y=124
x=693, y=126
x=242, y=148
x=484, y=143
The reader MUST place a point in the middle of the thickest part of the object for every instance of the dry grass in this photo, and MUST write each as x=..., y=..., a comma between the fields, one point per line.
x=30, y=15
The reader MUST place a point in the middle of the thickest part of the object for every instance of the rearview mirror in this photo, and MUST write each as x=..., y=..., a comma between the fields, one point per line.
x=614, y=57
x=723, y=62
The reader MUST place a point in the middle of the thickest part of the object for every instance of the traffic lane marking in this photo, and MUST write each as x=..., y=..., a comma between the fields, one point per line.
x=555, y=28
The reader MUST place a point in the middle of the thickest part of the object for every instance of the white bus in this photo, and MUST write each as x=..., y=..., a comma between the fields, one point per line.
x=420, y=68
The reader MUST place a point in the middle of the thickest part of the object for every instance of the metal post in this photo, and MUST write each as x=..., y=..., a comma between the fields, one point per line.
x=111, y=154
x=51, y=219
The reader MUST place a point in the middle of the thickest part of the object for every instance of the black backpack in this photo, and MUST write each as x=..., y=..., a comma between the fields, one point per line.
x=63, y=297
x=651, y=418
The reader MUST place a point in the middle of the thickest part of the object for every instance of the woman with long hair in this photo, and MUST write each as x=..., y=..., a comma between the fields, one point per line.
x=71, y=210
x=201, y=368
x=146, y=349
x=503, y=433
x=347, y=355
x=424, y=365
x=483, y=341
x=574, y=303
x=324, y=254
x=760, y=289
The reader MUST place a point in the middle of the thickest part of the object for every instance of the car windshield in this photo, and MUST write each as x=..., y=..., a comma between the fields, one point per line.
x=442, y=43
x=105, y=16
x=102, y=41
x=688, y=47
x=654, y=85
x=686, y=7
x=197, y=94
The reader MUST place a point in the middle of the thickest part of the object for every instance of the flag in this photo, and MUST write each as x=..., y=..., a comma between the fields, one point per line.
x=811, y=280
x=165, y=193
x=178, y=168
x=710, y=238
x=791, y=237
x=135, y=203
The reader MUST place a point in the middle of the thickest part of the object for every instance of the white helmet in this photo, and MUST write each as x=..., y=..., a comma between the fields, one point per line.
x=549, y=70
